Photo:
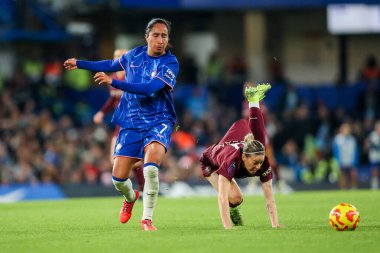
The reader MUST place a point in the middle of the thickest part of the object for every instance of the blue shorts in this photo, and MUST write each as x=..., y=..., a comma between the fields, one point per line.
x=131, y=142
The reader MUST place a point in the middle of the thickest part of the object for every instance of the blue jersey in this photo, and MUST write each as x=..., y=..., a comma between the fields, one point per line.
x=137, y=111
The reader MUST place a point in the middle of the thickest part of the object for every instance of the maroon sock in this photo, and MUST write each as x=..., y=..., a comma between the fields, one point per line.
x=256, y=124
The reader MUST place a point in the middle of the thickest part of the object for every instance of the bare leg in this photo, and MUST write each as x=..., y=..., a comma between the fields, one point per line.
x=112, y=146
x=235, y=196
x=120, y=176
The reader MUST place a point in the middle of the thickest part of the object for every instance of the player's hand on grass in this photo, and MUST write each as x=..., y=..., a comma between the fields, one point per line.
x=102, y=78
x=70, y=64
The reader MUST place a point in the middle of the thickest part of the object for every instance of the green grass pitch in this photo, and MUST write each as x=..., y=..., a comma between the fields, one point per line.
x=189, y=225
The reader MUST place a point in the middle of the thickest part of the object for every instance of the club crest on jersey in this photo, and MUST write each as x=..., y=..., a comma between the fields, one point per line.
x=169, y=74
x=208, y=170
x=154, y=73
x=231, y=170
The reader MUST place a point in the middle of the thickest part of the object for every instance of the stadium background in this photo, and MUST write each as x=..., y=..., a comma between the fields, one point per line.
x=50, y=148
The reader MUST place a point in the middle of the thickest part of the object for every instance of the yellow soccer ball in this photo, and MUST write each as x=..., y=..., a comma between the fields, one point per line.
x=344, y=217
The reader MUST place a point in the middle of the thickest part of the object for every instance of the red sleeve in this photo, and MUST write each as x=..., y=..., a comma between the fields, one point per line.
x=108, y=105
x=256, y=124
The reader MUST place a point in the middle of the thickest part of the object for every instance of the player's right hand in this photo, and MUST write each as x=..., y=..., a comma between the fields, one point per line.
x=70, y=64
x=98, y=117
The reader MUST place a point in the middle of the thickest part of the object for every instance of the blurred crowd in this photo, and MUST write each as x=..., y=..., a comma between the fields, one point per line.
x=47, y=133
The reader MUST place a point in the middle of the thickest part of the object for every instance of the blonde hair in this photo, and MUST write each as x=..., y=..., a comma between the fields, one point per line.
x=252, y=146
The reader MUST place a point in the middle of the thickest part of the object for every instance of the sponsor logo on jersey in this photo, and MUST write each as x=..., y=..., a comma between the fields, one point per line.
x=265, y=173
x=169, y=74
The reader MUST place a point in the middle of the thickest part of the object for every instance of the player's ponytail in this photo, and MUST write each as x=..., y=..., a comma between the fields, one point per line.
x=252, y=146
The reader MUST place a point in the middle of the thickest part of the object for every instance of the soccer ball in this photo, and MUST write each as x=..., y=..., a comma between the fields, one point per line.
x=344, y=217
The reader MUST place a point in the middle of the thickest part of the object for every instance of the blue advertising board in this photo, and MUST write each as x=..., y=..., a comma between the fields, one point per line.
x=15, y=193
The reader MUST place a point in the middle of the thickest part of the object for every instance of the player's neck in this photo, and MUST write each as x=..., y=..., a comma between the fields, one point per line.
x=156, y=55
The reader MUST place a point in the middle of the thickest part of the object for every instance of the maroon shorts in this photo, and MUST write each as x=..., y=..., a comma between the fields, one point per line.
x=207, y=170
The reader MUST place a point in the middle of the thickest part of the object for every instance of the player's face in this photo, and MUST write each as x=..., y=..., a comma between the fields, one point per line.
x=157, y=40
x=252, y=162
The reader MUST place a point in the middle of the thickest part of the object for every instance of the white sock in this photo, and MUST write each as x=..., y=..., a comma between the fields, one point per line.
x=124, y=186
x=150, y=189
x=254, y=104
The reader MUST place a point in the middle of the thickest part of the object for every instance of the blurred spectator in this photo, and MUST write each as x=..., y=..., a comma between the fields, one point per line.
x=237, y=70
x=327, y=169
x=324, y=130
x=373, y=146
x=300, y=123
x=33, y=69
x=290, y=100
x=347, y=154
x=1, y=82
x=197, y=103
x=214, y=72
x=276, y=74
x=184, y=142
x=371, y=71
x=290, y=158
x=80, y=81
x=5, y=165
x=370, y=75
x=53, y=72
x=189, y=70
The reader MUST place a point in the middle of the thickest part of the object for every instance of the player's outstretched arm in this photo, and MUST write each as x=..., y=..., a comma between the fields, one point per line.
x=224, y=186
x=270, y=203
x=105, y=65
x=70, y=64
x=147, y=88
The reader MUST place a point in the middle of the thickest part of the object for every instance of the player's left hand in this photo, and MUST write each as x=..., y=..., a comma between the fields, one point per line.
x=102, y=78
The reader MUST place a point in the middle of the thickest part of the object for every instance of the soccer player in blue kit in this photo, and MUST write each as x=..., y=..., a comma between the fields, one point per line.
x=146, y=113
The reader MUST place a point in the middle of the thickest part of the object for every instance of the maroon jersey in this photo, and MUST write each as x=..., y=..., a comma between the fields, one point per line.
x=114, y=98
x=224, y=157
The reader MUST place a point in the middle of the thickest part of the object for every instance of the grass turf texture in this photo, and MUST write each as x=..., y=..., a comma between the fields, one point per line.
x=189, y=225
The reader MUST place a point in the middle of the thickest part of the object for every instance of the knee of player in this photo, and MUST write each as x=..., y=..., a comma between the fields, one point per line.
x=235, y=200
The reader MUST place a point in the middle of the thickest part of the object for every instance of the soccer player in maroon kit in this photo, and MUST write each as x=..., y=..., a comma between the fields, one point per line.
x=111, y=104
x=282, y=186
x=240, y=154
